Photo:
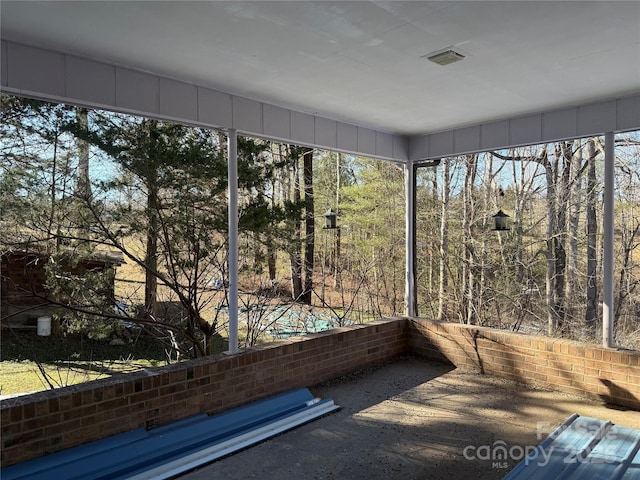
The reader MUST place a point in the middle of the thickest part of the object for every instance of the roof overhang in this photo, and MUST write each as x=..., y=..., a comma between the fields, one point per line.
x=347, y=76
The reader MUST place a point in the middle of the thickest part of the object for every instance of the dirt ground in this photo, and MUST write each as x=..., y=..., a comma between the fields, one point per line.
x=412, y=420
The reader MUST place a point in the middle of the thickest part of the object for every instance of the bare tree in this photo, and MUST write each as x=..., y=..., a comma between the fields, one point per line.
x=444, y=239
x=310, y=221
x=469, y=254
x=591, y=313
x=337, y=252
x=295, y=258
x=83, y=185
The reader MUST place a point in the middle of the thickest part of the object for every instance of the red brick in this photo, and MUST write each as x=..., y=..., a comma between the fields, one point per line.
x=576, y=351
x=15, y=413
x=11, y=428
x=597, y=353
x=617, y=376
x=41, y=408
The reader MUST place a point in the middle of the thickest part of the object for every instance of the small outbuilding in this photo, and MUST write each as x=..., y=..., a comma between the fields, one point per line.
x=23, y=293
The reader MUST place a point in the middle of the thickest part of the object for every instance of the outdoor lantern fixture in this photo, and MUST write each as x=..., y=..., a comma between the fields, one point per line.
x=330, y=220
x=500, y=221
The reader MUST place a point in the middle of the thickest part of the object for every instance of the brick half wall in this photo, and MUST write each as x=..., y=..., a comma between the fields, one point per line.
x=46, y=422
x=608, y=375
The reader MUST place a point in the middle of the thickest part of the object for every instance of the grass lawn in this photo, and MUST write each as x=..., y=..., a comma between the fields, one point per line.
x=25, y=376
x=26, y=359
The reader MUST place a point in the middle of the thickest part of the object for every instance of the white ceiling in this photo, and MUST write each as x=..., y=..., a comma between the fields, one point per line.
x=360, y=62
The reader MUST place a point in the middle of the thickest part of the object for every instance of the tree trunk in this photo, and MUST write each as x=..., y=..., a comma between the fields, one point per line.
x=271, y=259
x=468, y=276
x=488, y=208
x=295, y=259
x=444, y=241
x=591, y=314
x=151, y=255
x=574, y=208
x=550, y=252
x=309, y=227
x=434, y=242
x=83, y=185
x=272, y=253
x=518, y=212
x=336, y=263
x=563, y=151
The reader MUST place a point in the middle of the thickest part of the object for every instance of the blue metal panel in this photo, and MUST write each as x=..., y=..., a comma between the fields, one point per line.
x=633, y=467
x=607, y=458
x=194, y=419
x=71, y=463
x=135, y=452
x=583, y=447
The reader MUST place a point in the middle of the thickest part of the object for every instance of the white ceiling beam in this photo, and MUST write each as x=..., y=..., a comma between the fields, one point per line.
x=59, y=77
x=615, y=115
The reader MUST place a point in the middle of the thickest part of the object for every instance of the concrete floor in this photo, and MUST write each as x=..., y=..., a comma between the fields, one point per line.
x=412, y=420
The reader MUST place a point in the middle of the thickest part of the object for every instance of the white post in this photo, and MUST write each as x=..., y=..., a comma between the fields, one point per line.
x=232, y=146
x=410, y=247
x=608, y=229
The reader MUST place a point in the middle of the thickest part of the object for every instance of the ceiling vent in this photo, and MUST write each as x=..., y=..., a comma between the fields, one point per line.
x=444, y=57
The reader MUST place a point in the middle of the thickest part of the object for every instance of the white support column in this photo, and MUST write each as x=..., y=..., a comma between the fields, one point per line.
x=410, y=236
x=232, y=146
x=608, y=229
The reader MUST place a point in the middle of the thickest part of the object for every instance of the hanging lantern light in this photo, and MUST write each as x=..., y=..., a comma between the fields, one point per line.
x=330, y=220
x=500, y=222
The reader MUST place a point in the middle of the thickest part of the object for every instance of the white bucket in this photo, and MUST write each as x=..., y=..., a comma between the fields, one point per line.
x=44, y=326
